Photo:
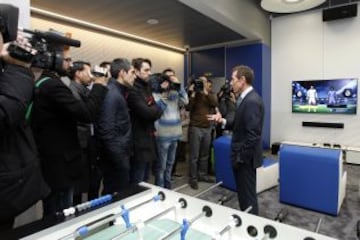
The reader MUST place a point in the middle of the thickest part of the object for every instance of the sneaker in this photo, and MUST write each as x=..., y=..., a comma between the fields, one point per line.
x=194, y=185
x=207, y=179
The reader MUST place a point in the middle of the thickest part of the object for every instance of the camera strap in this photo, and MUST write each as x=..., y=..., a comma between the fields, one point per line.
x=29, y=107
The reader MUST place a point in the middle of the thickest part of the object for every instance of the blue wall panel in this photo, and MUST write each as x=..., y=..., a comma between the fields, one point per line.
x=220, y=61
x=256, y=56
x=250, y=55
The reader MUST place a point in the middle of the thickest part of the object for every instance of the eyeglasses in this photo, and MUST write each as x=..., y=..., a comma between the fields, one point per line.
x=68, y=59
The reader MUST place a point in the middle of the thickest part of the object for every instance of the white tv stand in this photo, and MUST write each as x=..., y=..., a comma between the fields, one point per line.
x=352, y=153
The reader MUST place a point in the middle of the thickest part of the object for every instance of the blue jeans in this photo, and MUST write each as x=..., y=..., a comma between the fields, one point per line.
x=166, y=159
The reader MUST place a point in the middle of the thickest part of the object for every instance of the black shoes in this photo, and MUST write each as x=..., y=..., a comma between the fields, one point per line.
x=207, y=179
x=194, y=184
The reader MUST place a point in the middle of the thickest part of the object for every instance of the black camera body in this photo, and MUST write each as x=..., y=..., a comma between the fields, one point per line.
x=198, y=85
x=226, y=89
x=174, y=86
x=49, y=47
x=158, y=78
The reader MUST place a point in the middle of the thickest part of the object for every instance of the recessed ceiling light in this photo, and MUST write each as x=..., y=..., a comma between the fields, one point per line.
x=152, y=21
x=292, y=1
x=289, y=6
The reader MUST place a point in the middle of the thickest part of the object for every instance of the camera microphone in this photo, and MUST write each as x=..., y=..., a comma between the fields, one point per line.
x=55, y=38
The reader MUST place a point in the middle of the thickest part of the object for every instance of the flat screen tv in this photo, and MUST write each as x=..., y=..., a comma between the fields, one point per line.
x=336, y=96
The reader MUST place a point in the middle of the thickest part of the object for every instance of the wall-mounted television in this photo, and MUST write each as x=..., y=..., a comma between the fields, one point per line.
x=335, y=96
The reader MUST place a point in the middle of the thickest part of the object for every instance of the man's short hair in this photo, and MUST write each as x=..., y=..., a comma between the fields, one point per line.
x=247, y=72
x=119, y=64
x=104, y=64
x=137, y=62
x=78, y=66
x=168, y=70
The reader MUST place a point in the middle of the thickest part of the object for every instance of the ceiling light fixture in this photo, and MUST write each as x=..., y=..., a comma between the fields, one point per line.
x=57, y=16
x=152, y=21
x=289, y=6
x=292, y=1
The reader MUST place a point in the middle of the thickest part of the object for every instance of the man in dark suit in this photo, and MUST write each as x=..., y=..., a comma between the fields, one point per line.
x=246, y=147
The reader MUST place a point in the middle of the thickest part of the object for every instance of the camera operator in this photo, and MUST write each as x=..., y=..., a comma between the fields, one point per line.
x=201, y=103
x=168, y=127
x=56, y=113
x=21, y=182
x=227, y=105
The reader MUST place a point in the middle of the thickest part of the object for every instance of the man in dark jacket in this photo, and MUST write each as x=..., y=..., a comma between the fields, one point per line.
x=21, y=182
x=81, y=78
x=55, y=115
x=246, y=146
x=113, y=129
x=144, y=111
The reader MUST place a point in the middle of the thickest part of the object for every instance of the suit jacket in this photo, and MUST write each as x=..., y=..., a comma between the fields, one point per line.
x=144, y=111
x=246, y=122
x=56, y=113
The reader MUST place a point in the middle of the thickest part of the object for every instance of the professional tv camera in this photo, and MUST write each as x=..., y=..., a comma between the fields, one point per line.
x=48, y=45
x=158, y=78
x=198, y=84
x=226, y=89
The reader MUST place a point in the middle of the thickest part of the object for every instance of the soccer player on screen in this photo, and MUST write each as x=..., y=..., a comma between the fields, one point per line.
x=332, y=96
x=311, y=95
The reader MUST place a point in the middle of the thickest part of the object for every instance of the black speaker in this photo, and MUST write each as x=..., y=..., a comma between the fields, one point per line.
x=335, y=13
x=275, y=148
x=323, y=124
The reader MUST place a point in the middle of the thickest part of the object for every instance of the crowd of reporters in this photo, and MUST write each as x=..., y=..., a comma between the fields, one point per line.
x=118, y=127
x=66, y=127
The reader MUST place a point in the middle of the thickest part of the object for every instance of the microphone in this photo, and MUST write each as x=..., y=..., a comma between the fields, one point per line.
x=54, y=38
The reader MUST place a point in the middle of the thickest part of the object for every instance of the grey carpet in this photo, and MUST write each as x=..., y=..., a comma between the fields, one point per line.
x=342, y=227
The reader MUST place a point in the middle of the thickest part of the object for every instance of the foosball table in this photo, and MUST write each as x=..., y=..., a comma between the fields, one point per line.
x=160, y=214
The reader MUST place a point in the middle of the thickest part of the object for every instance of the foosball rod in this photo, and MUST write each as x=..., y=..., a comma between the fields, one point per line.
x=317, y=228
x=208, y=189
x=133, y=228
x=235, y=221
x=206, y=212
x=84, y=230
x=158, y=197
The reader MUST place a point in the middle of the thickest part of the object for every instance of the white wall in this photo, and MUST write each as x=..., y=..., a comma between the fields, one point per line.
x=304, y=48
x=24, y=11
x=96, y=47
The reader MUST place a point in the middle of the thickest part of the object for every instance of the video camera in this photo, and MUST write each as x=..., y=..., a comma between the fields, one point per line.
x=198, y=85
x=158, y=78
x=48, y=45
x=226, y=89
